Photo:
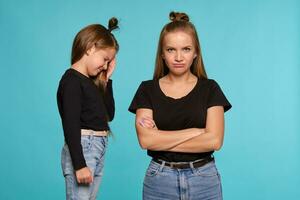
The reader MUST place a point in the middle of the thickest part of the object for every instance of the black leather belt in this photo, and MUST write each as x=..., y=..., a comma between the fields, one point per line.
x=184, y=165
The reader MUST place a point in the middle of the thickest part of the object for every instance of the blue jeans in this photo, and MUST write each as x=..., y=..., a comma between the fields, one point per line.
x=93, y=151
x=164, y=183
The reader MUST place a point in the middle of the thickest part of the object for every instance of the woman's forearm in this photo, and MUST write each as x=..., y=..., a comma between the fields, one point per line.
x=213, y=136
x=158, y=140
x=202, y=143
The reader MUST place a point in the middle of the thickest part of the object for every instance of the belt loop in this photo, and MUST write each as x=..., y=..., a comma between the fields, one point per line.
x=92, y=135
x=162, y=165
x=192, y=167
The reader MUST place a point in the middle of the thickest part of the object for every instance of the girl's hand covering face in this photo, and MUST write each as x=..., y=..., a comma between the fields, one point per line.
x=110, y=68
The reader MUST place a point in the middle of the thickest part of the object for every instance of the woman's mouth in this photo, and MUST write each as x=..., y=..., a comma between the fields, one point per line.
x=178, y=65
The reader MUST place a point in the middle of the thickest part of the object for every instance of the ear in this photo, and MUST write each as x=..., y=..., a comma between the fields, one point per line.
x=90, y=50
x=195, y=55
x=163, y=56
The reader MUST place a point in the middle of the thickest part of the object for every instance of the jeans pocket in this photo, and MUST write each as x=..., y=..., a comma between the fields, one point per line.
x=207, y=170
x=86, y=143
x=66, y=161
x=152, y=170
x=104, y=141
x=99, y=146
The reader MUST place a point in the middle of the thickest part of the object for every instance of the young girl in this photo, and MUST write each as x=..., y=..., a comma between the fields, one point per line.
x=86, y=104
x=180, y=118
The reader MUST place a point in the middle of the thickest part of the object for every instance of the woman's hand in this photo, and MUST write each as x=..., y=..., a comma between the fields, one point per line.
x=147, y=122
x=84, y=176
x=111, y=68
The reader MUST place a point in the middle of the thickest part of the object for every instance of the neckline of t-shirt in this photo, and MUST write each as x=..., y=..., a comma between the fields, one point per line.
x=80, y=74
x=180, y=98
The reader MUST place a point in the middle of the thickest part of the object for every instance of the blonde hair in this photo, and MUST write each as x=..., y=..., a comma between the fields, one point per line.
x=179, y=22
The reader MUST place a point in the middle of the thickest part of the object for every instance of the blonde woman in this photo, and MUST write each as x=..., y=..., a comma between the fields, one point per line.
x=180, y=119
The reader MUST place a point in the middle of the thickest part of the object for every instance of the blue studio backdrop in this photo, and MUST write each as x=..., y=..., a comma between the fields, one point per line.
x=251, y=48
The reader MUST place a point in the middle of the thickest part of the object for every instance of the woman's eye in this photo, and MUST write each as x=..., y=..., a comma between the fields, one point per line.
x=187, y=49
x=170, y=50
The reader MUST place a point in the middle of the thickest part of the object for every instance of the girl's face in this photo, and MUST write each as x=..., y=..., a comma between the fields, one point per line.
x=98, y=60
x=178, y=52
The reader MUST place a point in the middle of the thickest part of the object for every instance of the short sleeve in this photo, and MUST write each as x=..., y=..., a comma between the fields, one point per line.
x=141, y=99
x=216, y=97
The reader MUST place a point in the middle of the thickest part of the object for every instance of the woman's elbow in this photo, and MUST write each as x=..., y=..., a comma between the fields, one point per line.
x=143, y=137
x=218, y=146
x=147, y=144
x=144, y=144
x=217, y=143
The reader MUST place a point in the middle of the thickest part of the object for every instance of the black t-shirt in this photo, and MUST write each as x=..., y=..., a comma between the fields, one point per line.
x=82, y=106
x=176, y=114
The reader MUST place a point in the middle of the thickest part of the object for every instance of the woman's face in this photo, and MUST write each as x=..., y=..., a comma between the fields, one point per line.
x=178, y=52
x=98, y=60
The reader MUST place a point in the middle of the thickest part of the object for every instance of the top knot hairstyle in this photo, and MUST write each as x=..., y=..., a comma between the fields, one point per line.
x=179, y=22
x=177, y=16
x=113, y=24
x=94, y=34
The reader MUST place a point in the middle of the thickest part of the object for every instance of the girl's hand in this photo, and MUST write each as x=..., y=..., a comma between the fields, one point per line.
x=84, y=176
x=148, y=123
x=110, y=68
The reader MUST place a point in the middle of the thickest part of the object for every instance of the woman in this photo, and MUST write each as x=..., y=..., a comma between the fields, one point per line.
x=180, y=118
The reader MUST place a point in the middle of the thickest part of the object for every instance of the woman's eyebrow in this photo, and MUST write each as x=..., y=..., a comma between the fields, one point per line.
x=188, y=46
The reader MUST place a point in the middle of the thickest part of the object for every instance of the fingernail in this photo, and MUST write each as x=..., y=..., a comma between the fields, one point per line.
x=141, y=123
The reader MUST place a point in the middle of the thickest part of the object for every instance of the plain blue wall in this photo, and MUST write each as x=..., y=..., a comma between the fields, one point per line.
x=251, y=48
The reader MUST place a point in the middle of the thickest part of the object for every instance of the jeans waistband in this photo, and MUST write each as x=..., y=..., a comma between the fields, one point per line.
x=94, y=133
x=184, y=165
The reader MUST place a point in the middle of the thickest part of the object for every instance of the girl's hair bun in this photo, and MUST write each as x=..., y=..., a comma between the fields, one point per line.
x=178, y=16
x=112, y=24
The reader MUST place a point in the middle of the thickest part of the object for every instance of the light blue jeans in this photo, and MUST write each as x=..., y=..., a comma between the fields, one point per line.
x=93, y=150
x=164, y=183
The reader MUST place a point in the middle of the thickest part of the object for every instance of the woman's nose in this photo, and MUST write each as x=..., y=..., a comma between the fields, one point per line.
x=178, y=57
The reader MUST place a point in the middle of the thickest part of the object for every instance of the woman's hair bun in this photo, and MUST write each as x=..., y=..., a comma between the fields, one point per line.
x=112, y=24
x=178, y=16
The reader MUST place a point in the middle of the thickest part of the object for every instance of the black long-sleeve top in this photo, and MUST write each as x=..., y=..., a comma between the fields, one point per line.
x=81, y=105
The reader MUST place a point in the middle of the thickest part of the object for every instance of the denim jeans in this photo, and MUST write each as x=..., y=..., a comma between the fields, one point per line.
x=164, y=183
x=93, y=151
